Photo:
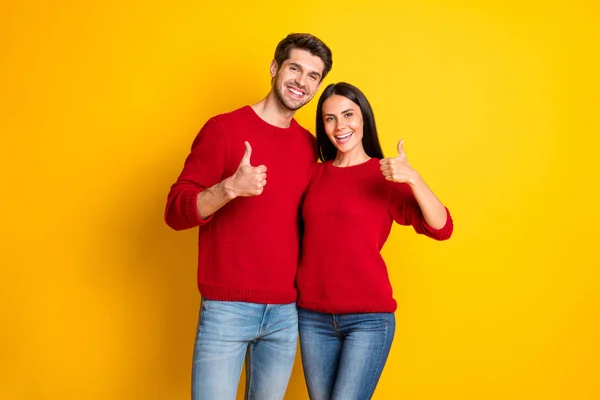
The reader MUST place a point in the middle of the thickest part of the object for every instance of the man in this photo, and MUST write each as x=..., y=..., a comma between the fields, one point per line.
x=248, y=244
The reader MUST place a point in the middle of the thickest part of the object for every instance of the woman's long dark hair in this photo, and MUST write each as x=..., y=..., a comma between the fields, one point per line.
x=370, y=141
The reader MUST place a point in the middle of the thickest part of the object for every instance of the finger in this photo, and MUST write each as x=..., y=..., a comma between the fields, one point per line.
x=247, y=154
x=261, y=169
x=401, y=147
x=389, y=178
x=386, y=168
x=384, y=161
x=260, y=184
x=391, y=167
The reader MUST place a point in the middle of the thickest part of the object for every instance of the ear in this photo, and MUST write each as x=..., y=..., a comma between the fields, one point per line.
x=273, y=68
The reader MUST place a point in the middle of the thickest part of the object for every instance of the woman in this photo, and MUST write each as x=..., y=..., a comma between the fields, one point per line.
x=346, y=308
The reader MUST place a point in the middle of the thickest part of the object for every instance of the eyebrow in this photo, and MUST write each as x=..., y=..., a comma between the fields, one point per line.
x=343, y=112
x=302, y=69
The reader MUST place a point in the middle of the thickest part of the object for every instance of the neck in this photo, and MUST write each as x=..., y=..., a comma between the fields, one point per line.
x=350, y=158
x=272, y=111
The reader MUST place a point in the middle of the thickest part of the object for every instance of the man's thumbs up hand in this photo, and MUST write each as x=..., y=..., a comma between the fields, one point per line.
x=247, y=154
x=247, y=180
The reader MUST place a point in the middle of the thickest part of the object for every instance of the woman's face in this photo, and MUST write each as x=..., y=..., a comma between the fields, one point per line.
x=343, y=123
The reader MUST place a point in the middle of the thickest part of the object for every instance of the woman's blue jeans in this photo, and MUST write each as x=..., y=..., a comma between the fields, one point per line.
x=343, y=355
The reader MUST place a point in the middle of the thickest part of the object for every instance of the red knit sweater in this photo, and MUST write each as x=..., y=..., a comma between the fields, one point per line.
x=249, y=249
x=348, y=214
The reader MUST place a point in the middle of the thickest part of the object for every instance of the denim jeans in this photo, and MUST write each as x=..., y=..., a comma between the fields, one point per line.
x=264, y=334
x=343, y=355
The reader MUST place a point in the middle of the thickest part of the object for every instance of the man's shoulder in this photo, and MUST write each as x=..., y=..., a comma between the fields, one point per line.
x=227, y=122
x=304, y=133
x=300, y=127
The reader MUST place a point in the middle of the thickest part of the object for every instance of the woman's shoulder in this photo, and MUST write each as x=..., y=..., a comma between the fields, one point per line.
x=316, y=168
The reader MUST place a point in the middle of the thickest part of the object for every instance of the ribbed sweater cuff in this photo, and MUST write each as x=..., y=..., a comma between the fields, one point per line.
x=444, y=232
x=191, y=209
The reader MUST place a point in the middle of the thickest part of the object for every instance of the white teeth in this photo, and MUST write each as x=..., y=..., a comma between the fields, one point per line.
x=343, y=137
x=296, y=92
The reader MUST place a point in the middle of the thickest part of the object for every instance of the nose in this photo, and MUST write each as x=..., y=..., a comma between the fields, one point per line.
x=339, y=125
x=301, y=80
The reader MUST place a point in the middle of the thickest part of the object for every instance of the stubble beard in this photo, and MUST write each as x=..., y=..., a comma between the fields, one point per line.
x=280, y=93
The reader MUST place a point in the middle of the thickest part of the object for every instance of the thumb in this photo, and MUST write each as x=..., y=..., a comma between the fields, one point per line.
x=247, y=154
x=401, y=147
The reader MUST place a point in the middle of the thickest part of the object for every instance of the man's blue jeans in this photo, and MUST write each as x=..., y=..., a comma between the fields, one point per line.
x=343, y=355
x=264, y=334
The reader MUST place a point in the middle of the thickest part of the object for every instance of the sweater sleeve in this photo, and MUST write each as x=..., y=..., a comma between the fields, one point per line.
x=202, y=169
x=405, y=210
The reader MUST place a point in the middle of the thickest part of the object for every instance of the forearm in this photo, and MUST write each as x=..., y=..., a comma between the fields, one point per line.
x=432, y=208
x=213, y=198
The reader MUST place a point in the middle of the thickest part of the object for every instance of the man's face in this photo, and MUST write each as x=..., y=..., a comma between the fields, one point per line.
x=298, y=78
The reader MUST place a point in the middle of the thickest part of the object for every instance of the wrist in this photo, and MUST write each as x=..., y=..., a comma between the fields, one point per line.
x=227, y=189
x=415, y=180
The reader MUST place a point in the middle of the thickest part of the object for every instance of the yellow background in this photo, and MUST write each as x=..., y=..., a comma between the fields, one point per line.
x=498, y=104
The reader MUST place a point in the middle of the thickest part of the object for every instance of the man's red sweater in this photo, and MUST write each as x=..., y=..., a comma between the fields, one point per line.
x=249, y=249
x=348, y=214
